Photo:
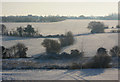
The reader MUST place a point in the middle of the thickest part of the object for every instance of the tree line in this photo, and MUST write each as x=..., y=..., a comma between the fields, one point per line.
x=31, y=18
x=16, y=51
x=28, y=31
x=20, y=31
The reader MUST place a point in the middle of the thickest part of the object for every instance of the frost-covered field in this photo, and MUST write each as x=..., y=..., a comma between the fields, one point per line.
x=83, y=74
x=89, y=43
x=76, y=26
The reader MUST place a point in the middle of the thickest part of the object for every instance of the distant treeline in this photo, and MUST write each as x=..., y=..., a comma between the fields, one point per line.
x=31, y=18
x=27, y=31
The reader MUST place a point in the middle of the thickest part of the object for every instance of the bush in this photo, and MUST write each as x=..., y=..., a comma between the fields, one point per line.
x=100, y=60
x=64, y=55
x=115, y=51
x=101, y=51
x=67, y=40
x=96, y=27
x=21, y=50
x=76, y=53
x=52, y=46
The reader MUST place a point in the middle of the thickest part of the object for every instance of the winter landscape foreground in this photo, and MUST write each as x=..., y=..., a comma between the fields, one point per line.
x=83, y=74
x=49, y=41
x=89, y=43
x=106, y=40
x=35, y=68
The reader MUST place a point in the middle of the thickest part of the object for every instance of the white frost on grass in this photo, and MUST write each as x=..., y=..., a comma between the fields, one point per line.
x=90, y=43
x=75, y=25
x=83, y=74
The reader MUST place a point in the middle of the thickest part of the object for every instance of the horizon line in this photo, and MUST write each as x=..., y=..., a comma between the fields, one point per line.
x=60, y=15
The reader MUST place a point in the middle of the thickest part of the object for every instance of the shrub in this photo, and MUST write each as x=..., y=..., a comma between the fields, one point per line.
x=64, y=55
x=115, y=51
x=102, y=59
x=52, y=46
x=96, y=27
x=21, y=50
x=67, y=40
x=76, y=53
x=101, y=51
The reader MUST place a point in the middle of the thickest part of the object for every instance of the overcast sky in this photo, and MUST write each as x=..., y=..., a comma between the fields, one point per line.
x=59, y=8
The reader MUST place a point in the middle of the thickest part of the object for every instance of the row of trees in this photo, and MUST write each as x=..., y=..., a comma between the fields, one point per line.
x=31, y=18
x=16, y=51
x=96, y=27
x=27, y=31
